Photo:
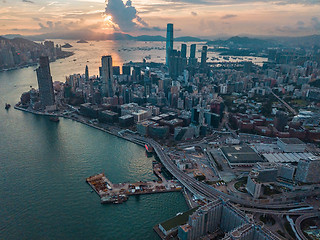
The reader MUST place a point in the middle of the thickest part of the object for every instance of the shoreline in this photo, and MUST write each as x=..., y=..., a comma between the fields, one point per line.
x=66, y=55
x=185, y=195
x=79, y=121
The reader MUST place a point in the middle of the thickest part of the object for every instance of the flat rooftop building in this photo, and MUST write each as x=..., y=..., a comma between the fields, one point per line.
x=240, y=156
x=291, y=145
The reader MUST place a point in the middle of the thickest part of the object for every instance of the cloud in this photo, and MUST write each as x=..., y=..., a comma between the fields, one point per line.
x=194, y=14
x=237, y=2
x=315, y=22
x=227, y=16
x=27, y=1
x=125, y=17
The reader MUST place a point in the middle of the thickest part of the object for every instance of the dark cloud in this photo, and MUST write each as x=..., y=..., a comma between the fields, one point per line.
x=227, y=16
x=27, y=1
x=126, y=17
x=194, y=14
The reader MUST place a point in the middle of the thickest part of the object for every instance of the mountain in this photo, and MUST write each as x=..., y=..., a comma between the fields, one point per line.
x=149, y=38
x=93, y=36
x=189, y=39
x=243, y=42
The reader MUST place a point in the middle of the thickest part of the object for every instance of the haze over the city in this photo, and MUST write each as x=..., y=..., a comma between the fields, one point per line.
x=209, y=18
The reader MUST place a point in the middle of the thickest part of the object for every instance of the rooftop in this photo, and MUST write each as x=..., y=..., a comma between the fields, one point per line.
x=178, y=220
x=241, y=154
x=291, y=141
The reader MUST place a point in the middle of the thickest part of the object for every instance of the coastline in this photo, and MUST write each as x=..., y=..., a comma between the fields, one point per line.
x=79, y=121
x=65, y=55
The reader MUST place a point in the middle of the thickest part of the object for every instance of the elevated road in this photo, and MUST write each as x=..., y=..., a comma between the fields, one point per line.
x=300, y=220
x=203, y=190
x=285, y=104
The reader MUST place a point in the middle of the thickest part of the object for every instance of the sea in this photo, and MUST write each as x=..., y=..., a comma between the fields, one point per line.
x=44, y=164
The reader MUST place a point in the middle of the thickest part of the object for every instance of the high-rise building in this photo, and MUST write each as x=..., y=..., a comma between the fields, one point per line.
x=87, y=73
x=169, y=42
x=193, y=50
x=107, y=76
x=126, y=70
x=45, y=83
x=204, y=56
x=192, y=59
x=183, y=50
x=116, y=70
x=308, y=170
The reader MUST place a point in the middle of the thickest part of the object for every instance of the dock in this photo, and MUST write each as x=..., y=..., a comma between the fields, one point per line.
x=119, y=193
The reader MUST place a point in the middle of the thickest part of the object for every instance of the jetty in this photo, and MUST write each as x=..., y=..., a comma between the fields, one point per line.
x=118, y=193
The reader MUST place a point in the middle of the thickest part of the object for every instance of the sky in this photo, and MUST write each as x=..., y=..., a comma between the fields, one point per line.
x=209, y=18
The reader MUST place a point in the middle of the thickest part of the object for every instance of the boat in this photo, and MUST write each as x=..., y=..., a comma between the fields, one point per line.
x=54, y=119
x=7, y=106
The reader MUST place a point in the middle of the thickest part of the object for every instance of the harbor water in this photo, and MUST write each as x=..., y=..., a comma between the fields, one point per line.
x=44, y=164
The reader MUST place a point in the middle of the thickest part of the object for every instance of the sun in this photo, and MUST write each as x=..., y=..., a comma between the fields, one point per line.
x=108, y=20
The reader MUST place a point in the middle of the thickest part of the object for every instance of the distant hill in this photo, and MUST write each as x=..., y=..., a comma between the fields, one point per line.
x=244, y=42
x=88, y=35
x=189, y=39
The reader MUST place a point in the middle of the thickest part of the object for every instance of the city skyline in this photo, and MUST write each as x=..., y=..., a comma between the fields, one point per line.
x=195, y=18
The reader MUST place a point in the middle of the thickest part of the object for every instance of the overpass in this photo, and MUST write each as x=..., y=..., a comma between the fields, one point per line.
x=300, y=219
x=205, y=191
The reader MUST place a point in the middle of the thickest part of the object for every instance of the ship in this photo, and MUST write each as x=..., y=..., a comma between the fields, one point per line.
x=7, y=106
x=54, y=119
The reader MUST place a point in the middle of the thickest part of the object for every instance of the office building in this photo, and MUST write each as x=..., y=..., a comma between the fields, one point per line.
x=193, y=60
x=126, y=70
x=169, y=42
x=204, y=53
x=291, y=145
x=193, y=50
x=45, y=83
x=87, y=73
x=183, y=50
x=107, y=76
x=308, y=170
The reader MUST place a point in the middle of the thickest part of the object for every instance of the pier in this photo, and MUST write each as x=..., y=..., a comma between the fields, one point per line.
x=118, y=193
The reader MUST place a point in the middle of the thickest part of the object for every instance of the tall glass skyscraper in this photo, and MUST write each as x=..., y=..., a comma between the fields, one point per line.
x=204, y=56
x=193, y=51
x=183, y=50
x=45, y=83
x=107, y=76
x=169, y=43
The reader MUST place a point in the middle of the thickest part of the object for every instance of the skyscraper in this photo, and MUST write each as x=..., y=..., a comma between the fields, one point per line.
x=107, y=76
x=45, y=83
x=193, y=51
x=204, y=56
x=183, y=50
x=87, y=73
x=192, y=59
x=169, y=42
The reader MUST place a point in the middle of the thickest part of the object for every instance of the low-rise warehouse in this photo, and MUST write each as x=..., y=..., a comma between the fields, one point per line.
x=240, y=156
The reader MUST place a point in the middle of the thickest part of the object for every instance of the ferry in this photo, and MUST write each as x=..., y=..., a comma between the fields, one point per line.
x=7, y=106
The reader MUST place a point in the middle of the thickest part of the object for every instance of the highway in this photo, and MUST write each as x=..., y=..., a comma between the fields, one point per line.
x=284, y=103
x=300, y=220
x=205, y=191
